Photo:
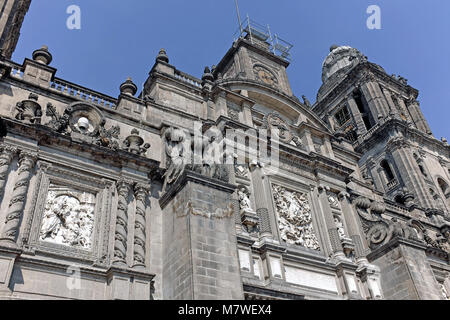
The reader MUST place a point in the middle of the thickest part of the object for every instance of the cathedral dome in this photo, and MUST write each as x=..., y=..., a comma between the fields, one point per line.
x=340, y=58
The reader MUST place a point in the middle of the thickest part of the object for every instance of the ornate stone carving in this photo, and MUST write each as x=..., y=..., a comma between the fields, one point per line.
x=379, y=230
x=244, y=199
x=58, y=123
x=120, y=239
x=295, y=218
x=7, y=153
x=17, y=202
x=68, y=217
x=175, y=149
x=219, y=213
x=280, y=129
x=135, y=144
x=340, y=227
x=29, y=110
x=140, y=193
x=264, y=75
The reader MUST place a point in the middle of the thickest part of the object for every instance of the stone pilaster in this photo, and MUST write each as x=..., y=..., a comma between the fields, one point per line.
x=360, y=127
x=6, y=156
x=375, y=99
x=120, y=238
x=413, y=107
x=140, y=193
x=261, y=201
x=411, y=175
x=18, y=199
x=353, y=225
x=333, y=234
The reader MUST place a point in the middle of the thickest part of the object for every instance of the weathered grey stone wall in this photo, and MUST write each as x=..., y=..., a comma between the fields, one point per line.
x=200, y=252
x=406, y=274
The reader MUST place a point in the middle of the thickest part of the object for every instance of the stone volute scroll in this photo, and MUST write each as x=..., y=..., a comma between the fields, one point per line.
x=17, y=203
x=380, y=230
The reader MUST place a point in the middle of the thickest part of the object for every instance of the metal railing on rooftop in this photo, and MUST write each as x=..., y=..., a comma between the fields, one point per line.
x=255, y=31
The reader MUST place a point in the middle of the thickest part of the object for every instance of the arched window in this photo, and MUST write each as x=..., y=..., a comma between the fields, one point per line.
x=387, y=170
x=444, y=187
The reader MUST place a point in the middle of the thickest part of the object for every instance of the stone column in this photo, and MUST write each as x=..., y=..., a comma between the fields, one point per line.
x=6, y=156
x=417, y=116
x=120, y=239
x=360, y=126
x=18, y=198
x=261, y=202
x=375, y=99
x=140, y=192
x=333, y=233
x=353, y=227
x=412, y=178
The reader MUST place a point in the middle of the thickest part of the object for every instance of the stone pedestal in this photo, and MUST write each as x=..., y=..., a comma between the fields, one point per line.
x=405, y=271
x=124, y=284
x=199, y=237
x=7, y=259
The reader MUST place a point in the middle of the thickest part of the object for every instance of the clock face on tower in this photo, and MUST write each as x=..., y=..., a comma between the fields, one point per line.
x=265, y=75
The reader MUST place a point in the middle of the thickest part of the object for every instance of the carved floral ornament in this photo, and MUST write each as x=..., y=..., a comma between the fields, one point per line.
x=295, y=218
x=84, y=121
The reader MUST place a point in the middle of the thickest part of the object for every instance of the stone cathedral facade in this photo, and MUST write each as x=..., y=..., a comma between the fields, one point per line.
x=99, y=200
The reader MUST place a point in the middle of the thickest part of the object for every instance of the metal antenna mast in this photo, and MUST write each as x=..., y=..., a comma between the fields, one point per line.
x=239, y=16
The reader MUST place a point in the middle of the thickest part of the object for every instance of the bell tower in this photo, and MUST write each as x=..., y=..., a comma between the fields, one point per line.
x=12, y=13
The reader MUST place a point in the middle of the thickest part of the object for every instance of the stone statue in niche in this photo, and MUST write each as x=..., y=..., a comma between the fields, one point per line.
x=340, y=227
x=295, y=218
x=244, y=200
x=68, y=218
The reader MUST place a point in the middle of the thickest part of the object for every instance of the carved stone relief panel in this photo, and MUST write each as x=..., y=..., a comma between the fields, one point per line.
x=68, y=217
x=295, y=218
x=71, y=215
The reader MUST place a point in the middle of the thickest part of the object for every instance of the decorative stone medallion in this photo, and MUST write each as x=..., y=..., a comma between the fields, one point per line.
x=68, y=217
x=295, y=218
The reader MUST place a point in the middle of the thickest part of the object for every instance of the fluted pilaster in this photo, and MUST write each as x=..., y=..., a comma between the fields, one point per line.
x=120, y=239
x=140, y=192
x=18, y=198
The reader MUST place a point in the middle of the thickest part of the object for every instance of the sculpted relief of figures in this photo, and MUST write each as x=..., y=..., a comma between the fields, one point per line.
x=295, y=218
x=68, y=218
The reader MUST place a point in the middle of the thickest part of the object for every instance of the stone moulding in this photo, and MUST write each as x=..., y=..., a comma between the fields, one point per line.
x=192, y=176
x=219, y=213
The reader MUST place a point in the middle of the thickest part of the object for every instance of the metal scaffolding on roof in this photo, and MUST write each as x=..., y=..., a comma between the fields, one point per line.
x=254, y=31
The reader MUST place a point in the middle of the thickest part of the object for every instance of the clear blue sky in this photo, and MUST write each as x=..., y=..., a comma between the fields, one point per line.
x=121, y=38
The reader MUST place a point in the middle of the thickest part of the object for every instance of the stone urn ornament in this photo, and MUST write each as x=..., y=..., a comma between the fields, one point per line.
x=29, y=110
x=135, y=143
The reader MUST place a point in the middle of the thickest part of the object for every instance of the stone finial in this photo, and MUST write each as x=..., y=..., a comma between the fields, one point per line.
x=162, y=56
x=128, y=87
x=207, y=75
x=42, y=55
x=444, y=140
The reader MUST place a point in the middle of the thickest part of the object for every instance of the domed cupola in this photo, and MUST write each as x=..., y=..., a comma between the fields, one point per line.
x=340, y=60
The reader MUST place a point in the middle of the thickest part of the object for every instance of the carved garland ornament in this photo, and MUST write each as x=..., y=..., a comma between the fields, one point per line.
x=295, y=218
